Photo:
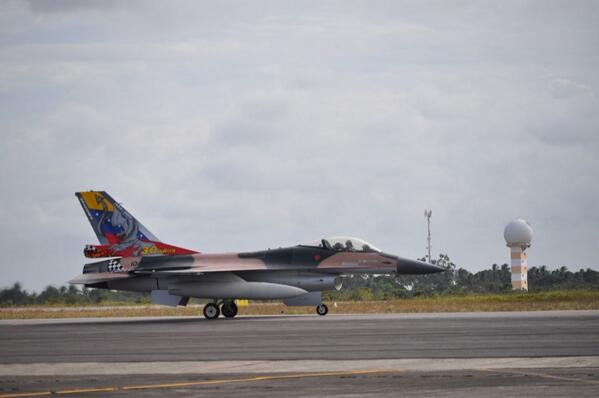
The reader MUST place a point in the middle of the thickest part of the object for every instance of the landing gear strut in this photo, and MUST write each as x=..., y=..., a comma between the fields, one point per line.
x=229, y=309
x=211, y=311
x=322, y=309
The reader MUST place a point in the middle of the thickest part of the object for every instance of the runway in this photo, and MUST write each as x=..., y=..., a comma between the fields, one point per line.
x=341, y=337
x=408, y=352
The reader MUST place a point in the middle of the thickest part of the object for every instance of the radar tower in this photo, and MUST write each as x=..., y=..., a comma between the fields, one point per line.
x=518, y=236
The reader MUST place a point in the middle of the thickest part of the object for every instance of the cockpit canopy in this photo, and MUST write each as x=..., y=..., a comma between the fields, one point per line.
x=344, y=244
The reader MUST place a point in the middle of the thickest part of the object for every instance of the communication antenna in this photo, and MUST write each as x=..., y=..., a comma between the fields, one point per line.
x=428, y=214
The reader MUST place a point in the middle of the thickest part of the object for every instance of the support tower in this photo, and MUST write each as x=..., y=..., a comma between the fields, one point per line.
x=428, y=214
x=518, y=236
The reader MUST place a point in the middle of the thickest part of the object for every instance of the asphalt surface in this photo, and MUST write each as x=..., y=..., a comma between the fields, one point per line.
x=304, y=337
x=471, y=354
x=579, y=382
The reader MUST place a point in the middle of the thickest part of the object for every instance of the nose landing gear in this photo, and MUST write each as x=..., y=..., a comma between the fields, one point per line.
x=322, y=309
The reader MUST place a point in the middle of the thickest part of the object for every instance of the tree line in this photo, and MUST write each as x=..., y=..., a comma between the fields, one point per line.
x=458, y=281
x=72, y=295
x=453, y=281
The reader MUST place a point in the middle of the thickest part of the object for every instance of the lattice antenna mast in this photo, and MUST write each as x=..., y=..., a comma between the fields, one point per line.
x=428, y=214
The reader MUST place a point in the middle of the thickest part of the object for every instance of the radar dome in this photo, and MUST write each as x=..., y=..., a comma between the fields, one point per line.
x=518, y=232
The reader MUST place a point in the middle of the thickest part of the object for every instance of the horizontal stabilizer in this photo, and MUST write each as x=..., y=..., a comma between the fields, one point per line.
x=90, y=278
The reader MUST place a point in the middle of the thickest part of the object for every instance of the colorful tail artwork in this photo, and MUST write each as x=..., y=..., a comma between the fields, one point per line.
x=119, y=233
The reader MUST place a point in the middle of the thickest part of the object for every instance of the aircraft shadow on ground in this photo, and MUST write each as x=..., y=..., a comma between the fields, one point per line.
x=158, y=320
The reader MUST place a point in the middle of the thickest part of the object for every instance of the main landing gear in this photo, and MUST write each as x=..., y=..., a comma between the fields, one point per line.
x=322, y=309
x=211, y=311
x=228, y=308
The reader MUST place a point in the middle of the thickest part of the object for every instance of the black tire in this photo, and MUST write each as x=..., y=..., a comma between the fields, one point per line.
x=322, y=309
x=229, y=309
x=211, y=311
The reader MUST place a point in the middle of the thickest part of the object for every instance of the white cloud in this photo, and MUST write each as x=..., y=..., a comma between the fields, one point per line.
x=237, y=127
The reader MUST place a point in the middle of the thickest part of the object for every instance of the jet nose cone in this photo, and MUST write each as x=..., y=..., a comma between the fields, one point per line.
x=414, y=267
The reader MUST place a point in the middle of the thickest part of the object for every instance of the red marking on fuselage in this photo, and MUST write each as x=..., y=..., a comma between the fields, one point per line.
x=139, y=248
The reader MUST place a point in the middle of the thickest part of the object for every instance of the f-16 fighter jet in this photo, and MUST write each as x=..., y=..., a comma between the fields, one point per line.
x=136, y=260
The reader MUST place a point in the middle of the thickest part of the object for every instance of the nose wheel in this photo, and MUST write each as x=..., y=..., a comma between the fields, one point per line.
x=322, y=309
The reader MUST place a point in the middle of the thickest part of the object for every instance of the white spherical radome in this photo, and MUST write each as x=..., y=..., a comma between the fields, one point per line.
x=518, y=232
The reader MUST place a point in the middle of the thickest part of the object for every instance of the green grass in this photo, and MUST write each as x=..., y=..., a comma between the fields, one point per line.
x=511, y=301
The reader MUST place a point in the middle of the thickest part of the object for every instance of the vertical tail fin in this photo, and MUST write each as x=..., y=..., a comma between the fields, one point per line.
x=120, y=234
x=110, y=221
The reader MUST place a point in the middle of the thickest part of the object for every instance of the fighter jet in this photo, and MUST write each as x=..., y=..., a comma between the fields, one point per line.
x=136, y=260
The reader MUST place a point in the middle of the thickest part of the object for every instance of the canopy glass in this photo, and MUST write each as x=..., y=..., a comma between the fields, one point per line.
x=344, y=243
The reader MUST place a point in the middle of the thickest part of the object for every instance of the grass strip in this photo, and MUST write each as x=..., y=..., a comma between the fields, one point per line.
x=541, y=301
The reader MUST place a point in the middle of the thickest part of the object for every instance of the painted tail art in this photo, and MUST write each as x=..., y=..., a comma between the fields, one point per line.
x=120, y=234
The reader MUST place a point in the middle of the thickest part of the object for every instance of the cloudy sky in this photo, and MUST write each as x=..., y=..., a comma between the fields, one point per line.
x=227, y=126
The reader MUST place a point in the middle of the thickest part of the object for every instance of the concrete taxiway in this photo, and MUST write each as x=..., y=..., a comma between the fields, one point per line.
x=466, y=354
